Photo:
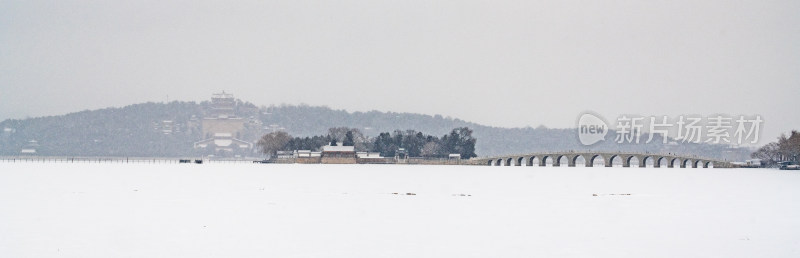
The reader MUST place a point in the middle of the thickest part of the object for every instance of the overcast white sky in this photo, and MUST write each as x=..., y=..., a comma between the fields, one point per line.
x=510, y=63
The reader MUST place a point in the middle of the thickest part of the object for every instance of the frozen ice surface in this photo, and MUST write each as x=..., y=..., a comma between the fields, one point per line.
x=254, y=210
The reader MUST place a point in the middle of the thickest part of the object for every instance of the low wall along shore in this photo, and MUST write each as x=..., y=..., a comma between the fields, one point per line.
x=409, y=161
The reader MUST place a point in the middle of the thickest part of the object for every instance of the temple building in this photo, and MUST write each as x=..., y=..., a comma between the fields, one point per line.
x=338, y=155
x=221, y=128
x=30, y=148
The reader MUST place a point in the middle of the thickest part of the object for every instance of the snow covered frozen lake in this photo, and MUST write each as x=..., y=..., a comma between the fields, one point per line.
x=254, y=210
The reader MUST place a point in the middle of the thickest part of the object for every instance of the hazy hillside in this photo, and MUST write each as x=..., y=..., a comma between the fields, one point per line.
x=127, y=131
x=137, y=130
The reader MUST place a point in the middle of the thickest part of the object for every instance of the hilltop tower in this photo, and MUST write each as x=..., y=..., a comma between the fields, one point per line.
x=222, y=105
x=221, y=127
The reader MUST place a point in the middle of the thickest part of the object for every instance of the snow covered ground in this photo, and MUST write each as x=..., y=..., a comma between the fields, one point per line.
x=253, y=210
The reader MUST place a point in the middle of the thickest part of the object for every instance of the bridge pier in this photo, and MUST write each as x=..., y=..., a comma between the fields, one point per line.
x=591, y=158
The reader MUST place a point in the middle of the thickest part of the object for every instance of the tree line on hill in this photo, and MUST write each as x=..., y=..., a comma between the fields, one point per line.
x=416, y=144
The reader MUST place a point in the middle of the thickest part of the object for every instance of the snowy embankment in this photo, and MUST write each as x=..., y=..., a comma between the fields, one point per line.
x=251, y=210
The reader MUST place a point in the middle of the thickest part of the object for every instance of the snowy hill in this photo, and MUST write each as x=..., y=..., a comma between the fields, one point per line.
x=139, y=130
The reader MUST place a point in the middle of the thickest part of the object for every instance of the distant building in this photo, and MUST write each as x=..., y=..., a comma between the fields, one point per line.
x=368, y=155
x=224, y=142
x=307, y=154
x=167, y=126
x=30, y=148
x=285, y=154
x=222, y=105
x=7, y=133
x=308, y=157
x=221, y=127
x=401, y=154
x=338, y=151
x=338, y=155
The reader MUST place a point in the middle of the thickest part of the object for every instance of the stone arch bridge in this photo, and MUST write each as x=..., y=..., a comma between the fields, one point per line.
x=627, y=158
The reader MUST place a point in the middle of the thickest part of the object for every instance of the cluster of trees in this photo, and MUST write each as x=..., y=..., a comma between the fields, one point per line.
x=416, y=144
x=458, y=141
x=785, y=149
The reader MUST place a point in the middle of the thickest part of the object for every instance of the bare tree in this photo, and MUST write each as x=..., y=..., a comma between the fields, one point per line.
x=338, y=133
x=360, y=141
x=789, y=146
x=786, y=148
x=271, y=143
x=769, y=154
x=430, y=149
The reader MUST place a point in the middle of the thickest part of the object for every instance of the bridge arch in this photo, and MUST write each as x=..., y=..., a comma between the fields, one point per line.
x=509, y=162
x=575, y=159
x=661, y=161
x=499, y=162
x=630, y=161
x=560, y=160
x=648, y=161
x=545, y=158
x=675, y=162
x=596, y=158
x=612, y=159
x=520, y=161
x=687, y=163
x=533, y=161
